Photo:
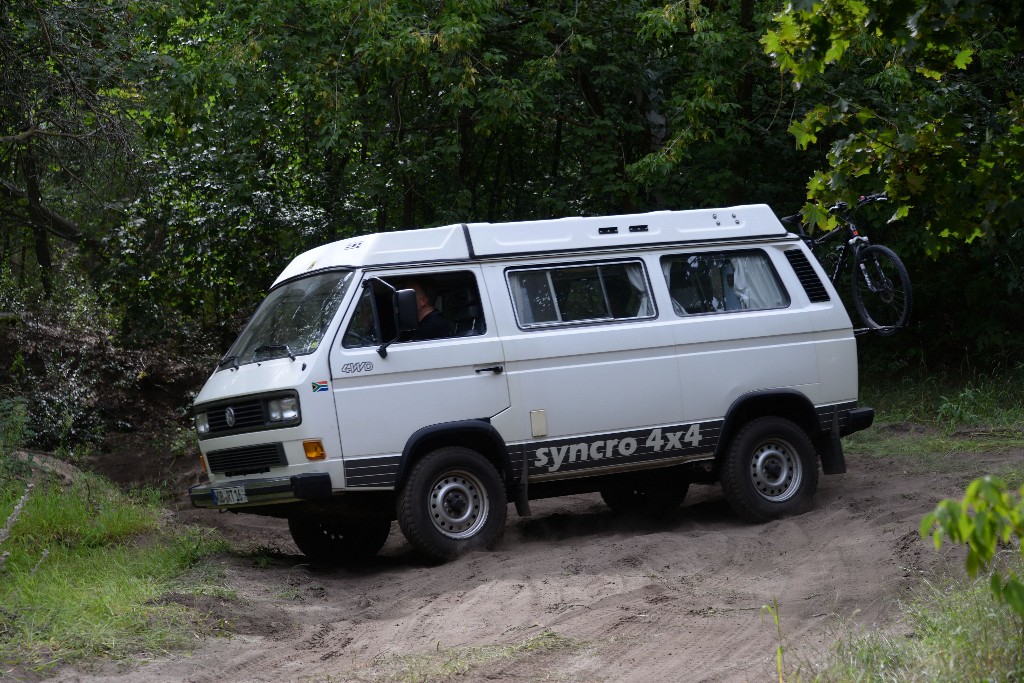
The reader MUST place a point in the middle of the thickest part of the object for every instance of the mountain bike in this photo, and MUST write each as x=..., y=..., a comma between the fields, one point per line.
x=881, y=287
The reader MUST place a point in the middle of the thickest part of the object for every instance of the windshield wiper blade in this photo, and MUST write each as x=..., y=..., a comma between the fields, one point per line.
x=274, y=347
x=227, y=359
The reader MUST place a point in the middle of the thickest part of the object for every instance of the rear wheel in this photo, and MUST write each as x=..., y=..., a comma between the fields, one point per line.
x=324, y=538
x=881, y=289
x=770, y=470
x=453, y=501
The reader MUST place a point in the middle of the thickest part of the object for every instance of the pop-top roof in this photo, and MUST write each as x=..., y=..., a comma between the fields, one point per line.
x=559, y=235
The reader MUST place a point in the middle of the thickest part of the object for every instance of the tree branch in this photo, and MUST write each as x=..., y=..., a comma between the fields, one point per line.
x=33, y=131
x=48, y=219
x=23, y=135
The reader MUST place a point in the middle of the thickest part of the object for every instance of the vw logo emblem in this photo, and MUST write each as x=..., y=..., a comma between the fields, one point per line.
x=229, y=416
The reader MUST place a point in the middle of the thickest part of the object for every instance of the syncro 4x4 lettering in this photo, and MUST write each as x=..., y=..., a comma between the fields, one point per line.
x=433, y=376
x=680, y=442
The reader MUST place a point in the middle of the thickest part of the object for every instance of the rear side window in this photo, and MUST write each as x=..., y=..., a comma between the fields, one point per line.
x=723, y=281
x=580, y=293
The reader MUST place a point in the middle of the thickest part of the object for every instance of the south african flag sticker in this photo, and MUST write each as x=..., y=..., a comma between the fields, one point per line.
x=319, y=386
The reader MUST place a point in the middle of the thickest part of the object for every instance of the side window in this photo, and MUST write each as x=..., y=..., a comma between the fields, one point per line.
x=591, y=292
x=722, y=281
x=449, y=306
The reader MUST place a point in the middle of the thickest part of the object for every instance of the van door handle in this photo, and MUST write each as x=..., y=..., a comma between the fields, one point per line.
x=496, y=369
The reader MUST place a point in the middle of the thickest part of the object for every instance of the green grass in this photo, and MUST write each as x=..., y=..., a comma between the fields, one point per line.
x=950, y=633
x=990, y=400
x=933, y=422
x=87, y=565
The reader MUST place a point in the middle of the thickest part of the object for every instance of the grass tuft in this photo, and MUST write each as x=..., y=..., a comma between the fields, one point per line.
x=952, y=632
x=85, y=566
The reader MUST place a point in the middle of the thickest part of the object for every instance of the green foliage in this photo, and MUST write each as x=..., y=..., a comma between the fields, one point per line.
x=772, y=610
x=14, y=433
x=921, y=99
x=165, y=160
x=986, y=520
x=64, y=407
x=66, y=143
x=275, y=127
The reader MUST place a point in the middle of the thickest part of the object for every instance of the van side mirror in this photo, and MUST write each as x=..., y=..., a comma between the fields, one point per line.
x=406, y=310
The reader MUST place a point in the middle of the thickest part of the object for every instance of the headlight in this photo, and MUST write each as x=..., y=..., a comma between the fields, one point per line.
x=202, y=424
x=283, y=409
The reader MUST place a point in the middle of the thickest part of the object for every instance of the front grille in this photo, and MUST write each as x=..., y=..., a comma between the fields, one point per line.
x=246, y=460
x=246, y=414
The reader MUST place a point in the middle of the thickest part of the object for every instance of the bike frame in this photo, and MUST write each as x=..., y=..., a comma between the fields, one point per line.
x=854, y=244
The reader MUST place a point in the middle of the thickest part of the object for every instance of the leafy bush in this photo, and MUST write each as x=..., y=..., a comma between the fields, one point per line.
x=987, y=520
x=63, y=407
x=14, y=432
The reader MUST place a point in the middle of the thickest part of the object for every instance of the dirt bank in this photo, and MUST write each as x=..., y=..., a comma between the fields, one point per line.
x=628, y=599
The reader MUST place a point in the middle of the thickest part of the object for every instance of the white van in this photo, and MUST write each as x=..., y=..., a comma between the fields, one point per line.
x=631, y=355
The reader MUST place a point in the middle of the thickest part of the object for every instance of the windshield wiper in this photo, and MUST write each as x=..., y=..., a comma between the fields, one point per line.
x=274, y=347
x=227, y=359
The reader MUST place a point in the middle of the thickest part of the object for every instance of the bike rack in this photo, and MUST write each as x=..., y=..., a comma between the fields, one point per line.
x=860, y=331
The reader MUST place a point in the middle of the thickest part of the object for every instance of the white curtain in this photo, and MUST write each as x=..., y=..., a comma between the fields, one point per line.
x=666, y=268
x=756, y=285
x=522, y=297
x=635, y=272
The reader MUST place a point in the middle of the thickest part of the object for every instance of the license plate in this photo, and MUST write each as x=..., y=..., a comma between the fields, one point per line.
x=230, y=496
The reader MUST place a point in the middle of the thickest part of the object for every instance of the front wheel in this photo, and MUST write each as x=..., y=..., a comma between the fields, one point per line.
x=324, y=538
x=770, y=470
x=881, y=289
x=453, y=501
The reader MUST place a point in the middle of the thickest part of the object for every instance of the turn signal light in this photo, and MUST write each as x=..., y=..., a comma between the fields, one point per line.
x=202, y=464
x=314, y=450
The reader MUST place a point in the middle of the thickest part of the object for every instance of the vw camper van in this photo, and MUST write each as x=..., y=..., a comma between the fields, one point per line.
x=632, y=355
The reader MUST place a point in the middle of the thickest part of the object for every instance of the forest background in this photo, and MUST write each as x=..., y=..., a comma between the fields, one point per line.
x=160, y=162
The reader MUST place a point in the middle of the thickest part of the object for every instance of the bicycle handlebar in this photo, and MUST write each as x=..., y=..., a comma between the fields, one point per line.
x=871, y=198
x=839, y=207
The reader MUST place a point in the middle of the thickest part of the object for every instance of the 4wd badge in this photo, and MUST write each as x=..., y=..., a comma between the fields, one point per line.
x=350, y=368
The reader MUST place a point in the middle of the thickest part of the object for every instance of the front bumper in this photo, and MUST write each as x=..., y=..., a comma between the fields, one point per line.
x=309, y=486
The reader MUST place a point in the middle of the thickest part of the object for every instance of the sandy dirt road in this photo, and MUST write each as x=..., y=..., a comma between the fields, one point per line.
x=621, y=599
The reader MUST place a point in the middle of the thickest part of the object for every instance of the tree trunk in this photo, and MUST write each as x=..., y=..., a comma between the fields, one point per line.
x=38, y=218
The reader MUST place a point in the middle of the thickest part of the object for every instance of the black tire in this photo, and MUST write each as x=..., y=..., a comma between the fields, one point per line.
x=650, y=497
x=771, y=470
x=884, y=303
x=454, y=501
x=329, y=539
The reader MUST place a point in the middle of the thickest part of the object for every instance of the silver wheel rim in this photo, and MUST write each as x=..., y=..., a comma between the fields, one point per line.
x=458, y=504
x=776, y=470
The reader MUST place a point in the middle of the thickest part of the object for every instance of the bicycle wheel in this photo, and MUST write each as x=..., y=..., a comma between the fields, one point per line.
x=881, y=289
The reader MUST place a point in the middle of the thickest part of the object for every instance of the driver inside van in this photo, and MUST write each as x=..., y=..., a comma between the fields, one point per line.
x=432, y=325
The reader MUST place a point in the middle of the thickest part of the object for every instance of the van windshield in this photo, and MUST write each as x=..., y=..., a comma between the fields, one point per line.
x=292, y=320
